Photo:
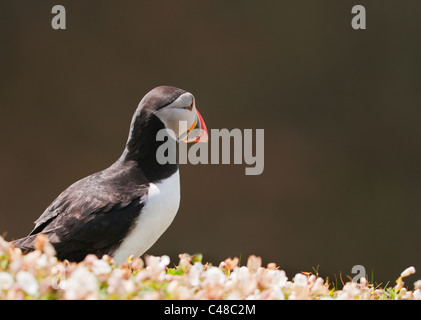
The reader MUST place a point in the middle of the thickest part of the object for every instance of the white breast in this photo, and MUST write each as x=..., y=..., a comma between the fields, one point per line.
x=158, y=212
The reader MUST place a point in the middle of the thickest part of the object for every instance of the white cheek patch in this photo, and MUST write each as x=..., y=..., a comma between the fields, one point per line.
x=176, y=116
x=185, y=100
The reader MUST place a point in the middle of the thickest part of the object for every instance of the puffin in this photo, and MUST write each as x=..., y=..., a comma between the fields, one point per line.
x=124, y=209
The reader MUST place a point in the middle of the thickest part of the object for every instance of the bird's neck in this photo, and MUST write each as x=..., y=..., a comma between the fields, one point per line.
x=141, y=148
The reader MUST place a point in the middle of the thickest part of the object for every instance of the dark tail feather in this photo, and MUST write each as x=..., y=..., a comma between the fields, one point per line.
x=25, y=244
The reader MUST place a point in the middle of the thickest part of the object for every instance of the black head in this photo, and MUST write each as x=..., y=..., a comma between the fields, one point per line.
x=159, y=98
x=164, y=107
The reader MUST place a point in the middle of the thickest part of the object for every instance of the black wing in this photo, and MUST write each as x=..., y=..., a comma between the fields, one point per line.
x=93, y=215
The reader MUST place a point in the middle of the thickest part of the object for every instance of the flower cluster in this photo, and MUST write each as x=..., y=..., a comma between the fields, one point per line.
x=39, y=275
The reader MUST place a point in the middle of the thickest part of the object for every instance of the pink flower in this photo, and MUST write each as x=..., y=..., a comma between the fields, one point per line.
x=407, y=272
x=253, y=263
x=81, y=284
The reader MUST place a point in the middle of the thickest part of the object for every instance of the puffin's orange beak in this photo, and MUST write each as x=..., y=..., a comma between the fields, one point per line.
x=198, y=131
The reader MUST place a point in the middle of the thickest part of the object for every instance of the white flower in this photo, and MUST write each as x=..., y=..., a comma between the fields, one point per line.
x=81, y=284
x=318, y=286
x=194, y=274
x=164, y=262
x=343, y=296
x=179, y=291
x=242, y=281
x=214, y=276
x=350, y=291
x=118, y=285
x=300, y=280
x=6, y=280
x=42, y=261
x=157, y=263
x=283, y=279
x=254, y=263
x=276, y=277
x=277, y=293
x=241, y=277
x=417, y=294
x=198, y=266
x=156, y=266
x=27, y=282
x=407, y=272
x=100, y=267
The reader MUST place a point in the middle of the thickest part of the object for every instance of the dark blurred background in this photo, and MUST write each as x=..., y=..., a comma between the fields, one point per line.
x=340, y=108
